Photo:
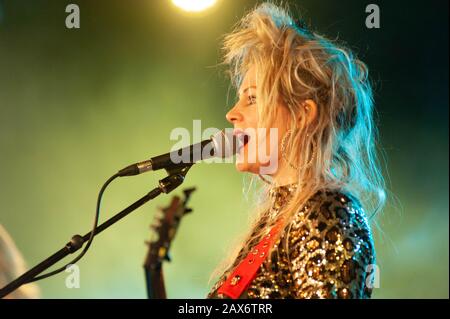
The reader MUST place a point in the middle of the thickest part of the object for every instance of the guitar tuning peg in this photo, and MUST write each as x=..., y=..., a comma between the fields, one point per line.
x=188, y=191
x=155, y=226
x=161, y=211
x=187, y=210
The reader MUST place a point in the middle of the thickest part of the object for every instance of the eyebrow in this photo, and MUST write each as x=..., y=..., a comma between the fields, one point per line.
x=247, y=88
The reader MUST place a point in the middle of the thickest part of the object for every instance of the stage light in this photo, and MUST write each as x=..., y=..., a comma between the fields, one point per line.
x=194, y=5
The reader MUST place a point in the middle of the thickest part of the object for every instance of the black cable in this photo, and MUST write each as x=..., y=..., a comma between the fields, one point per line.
x=91, y=237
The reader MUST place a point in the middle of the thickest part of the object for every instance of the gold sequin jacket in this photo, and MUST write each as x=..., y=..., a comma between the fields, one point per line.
x=330, y=250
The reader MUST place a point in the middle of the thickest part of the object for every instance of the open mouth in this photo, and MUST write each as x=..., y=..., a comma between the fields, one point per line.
x=245, y=139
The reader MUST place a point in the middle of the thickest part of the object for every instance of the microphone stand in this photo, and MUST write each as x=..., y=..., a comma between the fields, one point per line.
x=166, y=185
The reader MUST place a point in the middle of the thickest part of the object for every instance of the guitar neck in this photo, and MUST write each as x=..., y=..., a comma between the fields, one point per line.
x=165, y=228
x=155, y=282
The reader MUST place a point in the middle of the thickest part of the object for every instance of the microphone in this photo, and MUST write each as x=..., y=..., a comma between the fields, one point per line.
x=223, y=144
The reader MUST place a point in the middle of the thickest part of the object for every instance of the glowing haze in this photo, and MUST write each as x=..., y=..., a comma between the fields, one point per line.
x=194, y=5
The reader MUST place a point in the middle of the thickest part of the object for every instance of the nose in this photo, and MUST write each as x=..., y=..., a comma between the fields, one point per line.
x=234, y=115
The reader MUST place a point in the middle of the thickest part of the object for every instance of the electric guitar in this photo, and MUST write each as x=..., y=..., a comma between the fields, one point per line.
x=165, y=226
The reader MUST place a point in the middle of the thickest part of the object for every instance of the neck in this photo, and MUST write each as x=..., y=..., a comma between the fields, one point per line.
x=285, y=175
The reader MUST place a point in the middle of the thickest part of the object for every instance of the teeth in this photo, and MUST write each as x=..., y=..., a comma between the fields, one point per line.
x=240, y=143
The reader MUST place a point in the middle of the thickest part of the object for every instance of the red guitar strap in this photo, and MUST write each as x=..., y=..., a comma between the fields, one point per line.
x=245, y=272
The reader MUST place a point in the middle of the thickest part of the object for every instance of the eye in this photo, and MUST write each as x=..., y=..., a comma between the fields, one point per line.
x=251, y=99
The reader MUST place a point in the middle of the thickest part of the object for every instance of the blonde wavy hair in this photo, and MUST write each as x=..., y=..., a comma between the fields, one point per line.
x=294, y=64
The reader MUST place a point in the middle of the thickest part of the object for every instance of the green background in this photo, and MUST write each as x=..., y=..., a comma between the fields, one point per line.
x=76, y=105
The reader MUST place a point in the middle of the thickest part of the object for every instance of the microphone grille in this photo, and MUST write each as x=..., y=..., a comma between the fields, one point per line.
x=225, y=143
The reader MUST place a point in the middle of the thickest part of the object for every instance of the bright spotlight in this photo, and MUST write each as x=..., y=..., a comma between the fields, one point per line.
x=194, y=5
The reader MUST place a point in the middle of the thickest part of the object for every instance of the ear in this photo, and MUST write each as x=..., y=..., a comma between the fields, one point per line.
x=311, y=110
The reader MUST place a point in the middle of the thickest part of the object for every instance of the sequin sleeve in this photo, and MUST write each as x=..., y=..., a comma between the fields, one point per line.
x=330, y=248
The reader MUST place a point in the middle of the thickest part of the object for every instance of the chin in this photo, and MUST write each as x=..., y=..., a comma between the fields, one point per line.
x=247, y=167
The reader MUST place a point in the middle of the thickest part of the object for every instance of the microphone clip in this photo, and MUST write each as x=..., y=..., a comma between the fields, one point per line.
x=175, y=177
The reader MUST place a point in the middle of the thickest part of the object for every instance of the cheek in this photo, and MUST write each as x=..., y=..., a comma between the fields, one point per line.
x=262, y=154
x=249, y=114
